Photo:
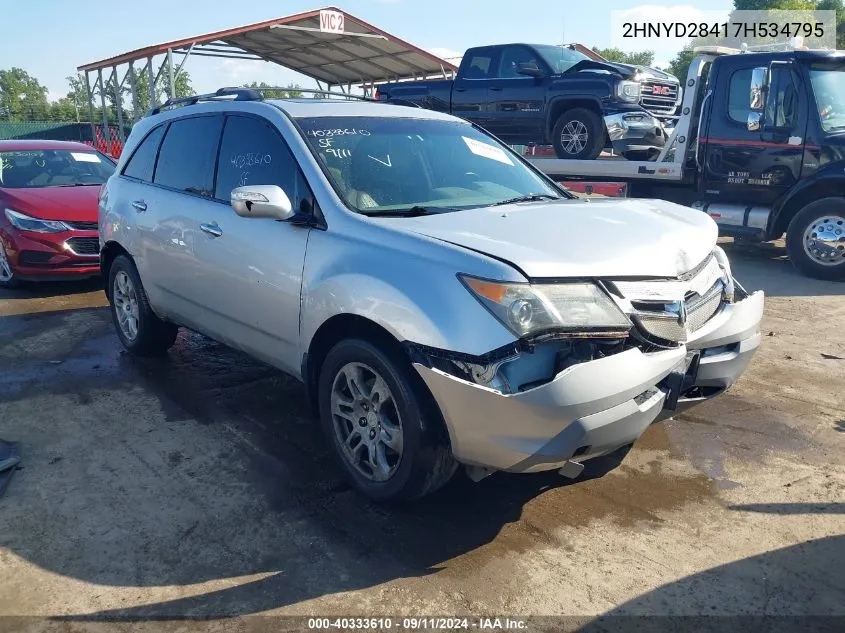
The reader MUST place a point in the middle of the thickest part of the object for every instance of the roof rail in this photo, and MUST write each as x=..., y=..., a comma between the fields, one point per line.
x=250, y=94
x=239, y=94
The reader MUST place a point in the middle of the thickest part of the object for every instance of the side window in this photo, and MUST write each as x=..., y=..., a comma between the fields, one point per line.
x=188, y=152
x=782, y=102
x=478, y=66
x=739, y=101
x=512, y=56
x=143, y=161
x=253, y=152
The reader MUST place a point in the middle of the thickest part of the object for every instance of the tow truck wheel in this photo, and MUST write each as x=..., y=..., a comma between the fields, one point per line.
x=578, y=135
x=815, y=240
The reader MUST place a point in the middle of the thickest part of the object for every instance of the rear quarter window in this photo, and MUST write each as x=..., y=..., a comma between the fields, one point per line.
x=142, y=162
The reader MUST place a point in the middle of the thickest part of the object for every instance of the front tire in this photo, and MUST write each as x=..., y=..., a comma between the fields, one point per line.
x=138, y=328
x=815, y=239
x=375, y=418
x=578, y=135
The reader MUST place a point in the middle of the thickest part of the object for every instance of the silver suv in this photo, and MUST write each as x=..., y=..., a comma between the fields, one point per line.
x=443, y=301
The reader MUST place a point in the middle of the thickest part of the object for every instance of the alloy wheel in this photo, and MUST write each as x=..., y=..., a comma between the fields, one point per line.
x=366, y=421
x=126, y=305
x=573, y=137
x=824, y=240
x=5, y=267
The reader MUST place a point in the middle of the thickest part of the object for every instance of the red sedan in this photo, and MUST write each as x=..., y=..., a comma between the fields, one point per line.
x=48, y=210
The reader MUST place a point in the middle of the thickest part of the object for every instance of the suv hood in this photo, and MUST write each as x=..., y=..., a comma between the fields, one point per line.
x=572, y=238
x=626, y=71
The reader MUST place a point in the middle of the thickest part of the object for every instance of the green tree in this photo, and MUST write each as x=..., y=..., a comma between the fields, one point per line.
x=679, y=66
x=181, y=85
x=291, y=91
x=640, y=58
x=22, y=97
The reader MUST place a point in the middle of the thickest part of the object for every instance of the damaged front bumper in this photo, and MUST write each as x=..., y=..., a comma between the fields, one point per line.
x=594, y=407
x=634, y=131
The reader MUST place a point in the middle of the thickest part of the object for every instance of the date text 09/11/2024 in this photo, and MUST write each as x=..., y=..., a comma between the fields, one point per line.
x=724, y=29
x=417, y=624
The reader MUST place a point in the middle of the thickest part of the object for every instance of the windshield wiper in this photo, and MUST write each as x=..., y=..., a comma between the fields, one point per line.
x=412, y=212
x=531, y=197
x=78, y=184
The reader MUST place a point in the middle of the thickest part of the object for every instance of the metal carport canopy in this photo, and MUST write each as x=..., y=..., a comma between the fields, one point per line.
x=362, y=54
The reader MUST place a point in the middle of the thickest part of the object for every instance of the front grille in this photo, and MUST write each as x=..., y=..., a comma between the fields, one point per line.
x=84, y=245
x=673, y=309
x=676, y=320
x=82, y=226
x=659, y=97
x=701, y=309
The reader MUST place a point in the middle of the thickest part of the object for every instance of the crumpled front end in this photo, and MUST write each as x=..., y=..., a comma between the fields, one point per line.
x=542, y=405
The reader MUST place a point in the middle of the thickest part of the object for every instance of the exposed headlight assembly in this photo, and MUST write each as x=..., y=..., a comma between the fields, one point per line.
x=27, y=223
x=533, y=309
x=727, y=275
x=628, y=91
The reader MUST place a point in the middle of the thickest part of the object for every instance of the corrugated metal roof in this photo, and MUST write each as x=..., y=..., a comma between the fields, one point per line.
x=361, y=54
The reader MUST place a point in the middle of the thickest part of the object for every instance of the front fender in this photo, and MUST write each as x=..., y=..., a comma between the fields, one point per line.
x=827, y=182
x=409, y=287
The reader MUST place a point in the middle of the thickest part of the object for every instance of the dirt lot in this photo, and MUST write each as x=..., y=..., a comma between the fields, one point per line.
x=198, y=485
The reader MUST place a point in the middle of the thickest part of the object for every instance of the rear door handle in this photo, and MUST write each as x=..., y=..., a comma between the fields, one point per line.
x=212, y=229
x=140, y=205
x=496, y=89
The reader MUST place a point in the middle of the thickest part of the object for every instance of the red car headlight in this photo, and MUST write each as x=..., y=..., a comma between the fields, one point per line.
x=26, y=223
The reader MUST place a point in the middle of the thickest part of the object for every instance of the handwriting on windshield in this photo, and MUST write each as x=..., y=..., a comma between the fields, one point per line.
x=338, y=132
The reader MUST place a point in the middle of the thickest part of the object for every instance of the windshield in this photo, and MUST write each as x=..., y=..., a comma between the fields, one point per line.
x=381, y=165
x=829, y=89
x=28, y=169
x=559, y=58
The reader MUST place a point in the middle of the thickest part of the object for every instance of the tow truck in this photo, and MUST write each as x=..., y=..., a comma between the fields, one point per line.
x=759, y=145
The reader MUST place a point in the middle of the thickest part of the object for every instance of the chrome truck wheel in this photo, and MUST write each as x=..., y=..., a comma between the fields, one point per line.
x=815, y=239
x=824, y=240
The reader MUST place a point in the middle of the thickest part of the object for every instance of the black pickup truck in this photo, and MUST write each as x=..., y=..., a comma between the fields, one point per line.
x=552, y=95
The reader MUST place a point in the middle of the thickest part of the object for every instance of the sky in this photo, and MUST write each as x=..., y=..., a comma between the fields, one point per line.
x=50, y=38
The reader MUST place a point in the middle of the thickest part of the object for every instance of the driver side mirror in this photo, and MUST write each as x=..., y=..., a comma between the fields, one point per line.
x=261, y=201
x=757, y=98
x=529, y=68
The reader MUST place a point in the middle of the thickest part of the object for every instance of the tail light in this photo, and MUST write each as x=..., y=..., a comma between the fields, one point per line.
x=378, y=95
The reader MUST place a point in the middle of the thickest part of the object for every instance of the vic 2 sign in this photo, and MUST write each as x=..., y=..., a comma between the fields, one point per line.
x=331, y=21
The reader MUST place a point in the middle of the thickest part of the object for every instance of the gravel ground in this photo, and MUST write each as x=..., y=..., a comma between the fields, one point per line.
x=197, y=485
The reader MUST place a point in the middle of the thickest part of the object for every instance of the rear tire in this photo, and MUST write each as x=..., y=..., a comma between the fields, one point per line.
x=375, y=418
x=138, y=328
x=815, y=239
x=578, y=135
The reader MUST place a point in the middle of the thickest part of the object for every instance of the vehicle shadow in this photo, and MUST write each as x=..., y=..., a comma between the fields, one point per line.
x=800, y=587
x=765, y=266
x=206, y=467
x=45, y=290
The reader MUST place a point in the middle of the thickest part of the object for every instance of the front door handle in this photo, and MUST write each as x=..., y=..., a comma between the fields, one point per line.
x=140, y=205
x=212, y=229
x=496, y=89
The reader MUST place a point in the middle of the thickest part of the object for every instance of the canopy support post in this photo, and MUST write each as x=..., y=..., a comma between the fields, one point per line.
x=90, y=96
x=106, y=135
x=118, y=103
